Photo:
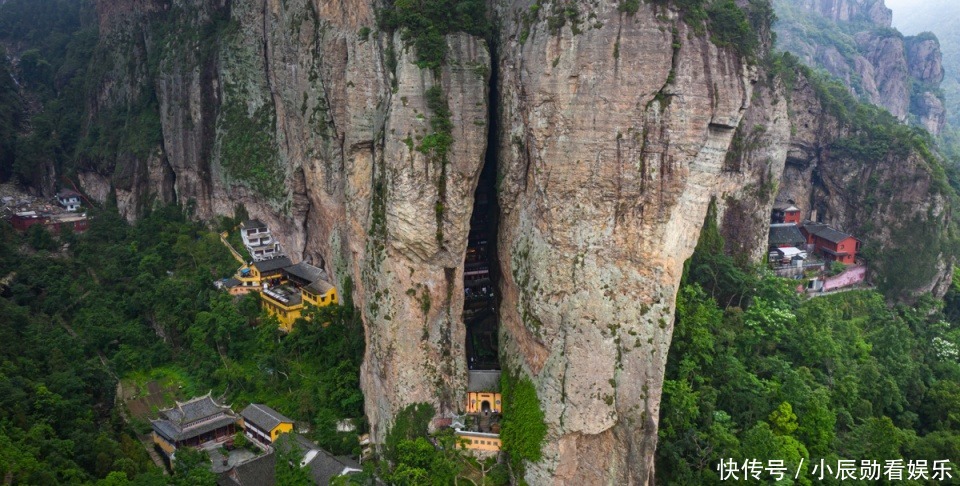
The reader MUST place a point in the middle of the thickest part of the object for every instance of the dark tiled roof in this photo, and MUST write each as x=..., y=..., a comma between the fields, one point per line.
x=68, y=193
x=272, y=264
x=284, y=294
x=253, y=223
x=192, y=418
x=826, y=232
x=304, y=271
x=175, y=433
x=231, y=282
x=786, y=234
x=323, y=465
x=319, y=287
x=483, y=381
x=264, y=417
x=193, y=410
x=260, y=471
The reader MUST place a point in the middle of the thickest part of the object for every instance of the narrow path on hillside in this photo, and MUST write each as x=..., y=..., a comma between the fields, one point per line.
x=234, y=252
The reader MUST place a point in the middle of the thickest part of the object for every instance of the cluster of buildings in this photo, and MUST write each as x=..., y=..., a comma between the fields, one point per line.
x=479, y=428
x=61, y=213
x=285, y=287
x=203, y=423
x=799, y=248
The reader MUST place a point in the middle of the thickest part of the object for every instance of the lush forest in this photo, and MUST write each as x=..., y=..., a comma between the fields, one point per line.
x=121, y=301
x=41, y=118
x=755, y=372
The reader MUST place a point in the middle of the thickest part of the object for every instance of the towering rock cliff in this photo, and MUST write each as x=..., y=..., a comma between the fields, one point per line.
x=614, y=141
x=854, y=41
x=614, y=126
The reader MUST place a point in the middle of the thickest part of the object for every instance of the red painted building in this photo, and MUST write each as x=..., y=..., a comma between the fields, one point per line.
x=791, y=215
x=785, y=214
x=24, y=220
x=833, y=245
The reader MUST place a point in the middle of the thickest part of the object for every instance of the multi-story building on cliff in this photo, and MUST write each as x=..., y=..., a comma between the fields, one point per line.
x=70, y=200
x=259, y=241
x=833, y=245
x=284, y=287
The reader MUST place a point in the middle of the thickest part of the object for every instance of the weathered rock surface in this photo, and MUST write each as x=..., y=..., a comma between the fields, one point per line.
x=851, y=10
x=614, y=136
x=613, y=144
x=878, y=64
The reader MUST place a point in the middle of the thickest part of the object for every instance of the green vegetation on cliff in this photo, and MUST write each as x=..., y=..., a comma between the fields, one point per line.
x=58, y=39
x=524, y=429
x=424, y=24
x=728, y=24
x=754, y=372
x=248, y=151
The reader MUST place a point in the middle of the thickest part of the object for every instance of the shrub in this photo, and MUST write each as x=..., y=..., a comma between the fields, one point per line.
x=425, y=23
x=523, y=428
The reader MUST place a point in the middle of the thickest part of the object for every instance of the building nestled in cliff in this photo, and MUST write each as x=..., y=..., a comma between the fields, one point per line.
x=479, y=428
x=70, y=200
x=285, y=288
x=56, y=214
x=785, y=213
x=833, y=245
x=55, y=222
x=259, y=240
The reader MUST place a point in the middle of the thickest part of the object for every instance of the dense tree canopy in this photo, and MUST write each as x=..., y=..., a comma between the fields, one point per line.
x=755, y=373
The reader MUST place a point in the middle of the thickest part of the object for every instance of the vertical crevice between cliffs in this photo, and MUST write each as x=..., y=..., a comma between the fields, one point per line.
x=481, y=261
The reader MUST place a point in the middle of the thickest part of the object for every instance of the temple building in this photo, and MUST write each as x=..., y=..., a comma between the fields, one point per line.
x=833, y=245
x=264, y=424
x=484, y=404
x=284, y=287
x=198, y=422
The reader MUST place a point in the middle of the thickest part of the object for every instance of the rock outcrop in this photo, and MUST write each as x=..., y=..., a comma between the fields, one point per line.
x=614, y=142
x=614, y=131
x=873, y=11
x=853, y=40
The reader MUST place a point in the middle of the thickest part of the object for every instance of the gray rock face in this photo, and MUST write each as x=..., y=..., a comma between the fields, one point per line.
x=878, y=64
x=873, y=11
x=614, y=135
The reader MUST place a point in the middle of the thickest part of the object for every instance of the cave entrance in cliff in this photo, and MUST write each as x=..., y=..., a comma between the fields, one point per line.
x=480, y=267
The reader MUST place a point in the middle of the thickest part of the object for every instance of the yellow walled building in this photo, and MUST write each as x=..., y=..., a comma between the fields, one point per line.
x=285, y=288
x=479, y=441
x=479, y=402
x=483, y=392
x=320, y=293
x=264, y=424
x=284, y=302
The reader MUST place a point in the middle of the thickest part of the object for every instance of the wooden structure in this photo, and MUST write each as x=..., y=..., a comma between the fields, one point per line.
x=195, y=423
